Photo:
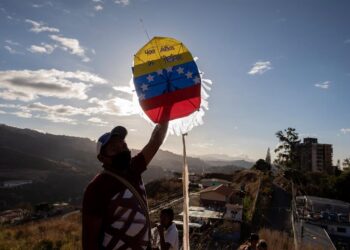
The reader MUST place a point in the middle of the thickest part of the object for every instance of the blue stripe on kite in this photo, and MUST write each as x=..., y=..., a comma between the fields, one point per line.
x=156, y=84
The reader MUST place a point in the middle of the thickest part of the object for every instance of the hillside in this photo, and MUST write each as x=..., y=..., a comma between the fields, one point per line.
x=64, y=232
x=61, y=166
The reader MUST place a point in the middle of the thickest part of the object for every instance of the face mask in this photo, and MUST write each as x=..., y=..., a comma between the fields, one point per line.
x=122, y=160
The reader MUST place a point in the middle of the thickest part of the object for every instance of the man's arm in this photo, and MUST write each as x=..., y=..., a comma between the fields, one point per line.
x=91, y=231
x=155, y=142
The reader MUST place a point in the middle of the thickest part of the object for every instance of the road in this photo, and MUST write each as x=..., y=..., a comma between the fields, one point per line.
x=278, y=215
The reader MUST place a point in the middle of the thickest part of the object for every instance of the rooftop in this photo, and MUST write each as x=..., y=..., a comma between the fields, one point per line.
x=221, y=189
x=326, y=201
x=201, y=212
x=216, y=180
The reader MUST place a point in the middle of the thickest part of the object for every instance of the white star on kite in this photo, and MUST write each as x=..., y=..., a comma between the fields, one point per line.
x=197, y=80
x=144, y=87
x=150, y=78
x=180, y=70
x=160, y=71
x=169, y=69
x=189, y=74
x=142, y=97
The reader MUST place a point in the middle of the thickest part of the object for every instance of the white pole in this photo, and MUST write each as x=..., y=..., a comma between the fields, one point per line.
x=186, y=240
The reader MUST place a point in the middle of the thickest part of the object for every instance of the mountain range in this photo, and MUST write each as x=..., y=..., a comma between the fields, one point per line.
x=61, y=166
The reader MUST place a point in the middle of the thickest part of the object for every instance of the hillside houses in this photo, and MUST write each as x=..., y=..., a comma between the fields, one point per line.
x=219, y=196
x=214, y=182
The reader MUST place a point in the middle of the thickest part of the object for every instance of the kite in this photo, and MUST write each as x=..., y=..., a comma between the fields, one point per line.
x=169, y=87
x=167, y=80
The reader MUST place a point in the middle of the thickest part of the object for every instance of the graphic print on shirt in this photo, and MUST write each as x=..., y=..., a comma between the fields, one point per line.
x=126, y=222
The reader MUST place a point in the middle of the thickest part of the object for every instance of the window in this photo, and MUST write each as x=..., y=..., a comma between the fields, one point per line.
x=341, y=229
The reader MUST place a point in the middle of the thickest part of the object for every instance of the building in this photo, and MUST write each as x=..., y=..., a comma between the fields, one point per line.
x=214, y=182
x=331, y=215
x=315, y=157
x=218, y=196
x=268, y=157
x=234, y=212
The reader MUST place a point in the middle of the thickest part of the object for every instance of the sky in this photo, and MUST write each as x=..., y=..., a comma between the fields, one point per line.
x=65, y=68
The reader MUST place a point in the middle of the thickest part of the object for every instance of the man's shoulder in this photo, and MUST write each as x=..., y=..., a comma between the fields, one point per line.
x=138, y=163
x=97, y=180
x=173, y=228
x=101, y=181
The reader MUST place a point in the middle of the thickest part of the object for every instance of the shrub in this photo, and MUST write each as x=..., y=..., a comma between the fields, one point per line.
x=44, y=245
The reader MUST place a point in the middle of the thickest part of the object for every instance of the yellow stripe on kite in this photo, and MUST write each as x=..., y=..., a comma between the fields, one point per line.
x=162, y=63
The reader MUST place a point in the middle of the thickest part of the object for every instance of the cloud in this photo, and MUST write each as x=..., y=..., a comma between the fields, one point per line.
x=26, y=85
x=15, y=95
x=44, y=48
x=53, y=113
x=22, y=114
x=114, y=106
x=37, y=5
x=260, y=67
x=57, y=110
x=42, y=5
x=72, y=46
x=57, y=119
x=124, y=89
x=12, y=50
x=12, y=42
x=97, y=1
x=98, y=7
x=97, y=121
x=203, y=145
x=345, y=130
x=18, y=110
x=347, y=41
x=323, y=85
x=67, y=114
x=122, y=2
x=38, y=27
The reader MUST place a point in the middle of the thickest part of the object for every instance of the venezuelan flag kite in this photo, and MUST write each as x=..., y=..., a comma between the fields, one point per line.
x=166, y=78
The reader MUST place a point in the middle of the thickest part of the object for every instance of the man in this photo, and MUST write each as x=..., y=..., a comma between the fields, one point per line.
x=113, y=217
x=262, y=245
x=254, y=238
x=253, y=241
x=166, y=236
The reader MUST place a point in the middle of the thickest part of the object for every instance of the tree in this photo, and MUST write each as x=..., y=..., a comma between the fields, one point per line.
x=346, y=164
x=286, y=149
x=262, y=165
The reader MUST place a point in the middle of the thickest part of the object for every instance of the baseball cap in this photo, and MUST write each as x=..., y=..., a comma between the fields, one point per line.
x=118, y=131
